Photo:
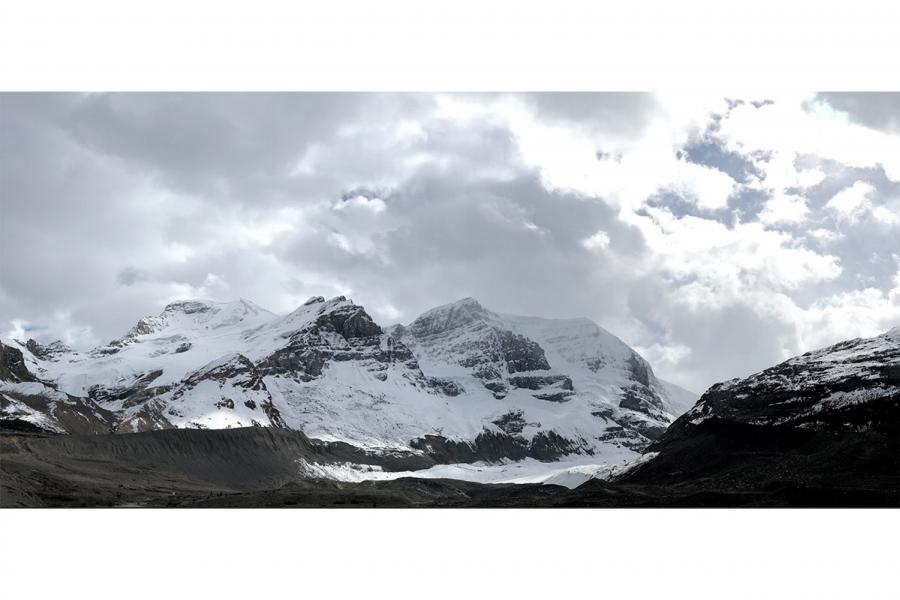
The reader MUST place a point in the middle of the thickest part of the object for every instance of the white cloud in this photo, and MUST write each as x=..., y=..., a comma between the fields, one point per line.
x=856, y=313
x=374, y=205
x=810, y=177
x=598, y=241
x=851, y=201
x=60, y=326
x=885, y=216
x=745, y=256
x=855, y=202
x=708, y=187
x=784, y=208
x=826, y=236
x=797, y=125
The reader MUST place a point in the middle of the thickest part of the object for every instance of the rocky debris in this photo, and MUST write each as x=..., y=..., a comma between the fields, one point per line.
x=560, y=396
x=129, y=393
x=492, y=447
x=537, y=382
x=112, y=348
x=513, y=422
x=552, y=388
x=225, y=403
x=183, y=347
x=498, y=388
x=549, y=446
x=447, y=387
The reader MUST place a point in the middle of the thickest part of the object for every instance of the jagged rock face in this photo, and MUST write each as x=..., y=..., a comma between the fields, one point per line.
x=49, y=352
x=12, y=365
x=520, y=353
x=511, y=423
x=460, y=382
x=533, y=364
x=344, y=332
x=492, y=446
x=462, y=332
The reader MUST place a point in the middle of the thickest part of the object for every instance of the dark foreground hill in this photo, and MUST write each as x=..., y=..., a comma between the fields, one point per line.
x=260, y=467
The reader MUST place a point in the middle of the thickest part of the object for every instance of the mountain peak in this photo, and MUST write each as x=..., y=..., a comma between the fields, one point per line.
x=47, y=351
x=468, y=302
x=188, y=307
x=450, y=316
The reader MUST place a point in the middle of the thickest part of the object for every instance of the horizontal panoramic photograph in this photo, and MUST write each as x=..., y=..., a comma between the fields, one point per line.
x=620, y=300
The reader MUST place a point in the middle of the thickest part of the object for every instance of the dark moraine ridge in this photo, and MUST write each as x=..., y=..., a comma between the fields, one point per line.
x=721, y=464
x=41, y=469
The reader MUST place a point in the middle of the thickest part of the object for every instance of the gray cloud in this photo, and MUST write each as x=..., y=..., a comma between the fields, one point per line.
x=115, y=204
x=878, y=110
x=625, y=113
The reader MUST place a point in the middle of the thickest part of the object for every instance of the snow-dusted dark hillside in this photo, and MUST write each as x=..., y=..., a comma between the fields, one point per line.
x=810, y=388
x=819, y=429
x=460, y=383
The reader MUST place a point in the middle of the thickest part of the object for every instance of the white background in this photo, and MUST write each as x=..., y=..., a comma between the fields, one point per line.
x=464, y=45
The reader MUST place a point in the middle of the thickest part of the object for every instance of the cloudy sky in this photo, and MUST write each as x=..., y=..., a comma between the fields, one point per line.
x=716, y=235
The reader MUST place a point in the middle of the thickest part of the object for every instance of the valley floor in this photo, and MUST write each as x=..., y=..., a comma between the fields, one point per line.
x=262, y=467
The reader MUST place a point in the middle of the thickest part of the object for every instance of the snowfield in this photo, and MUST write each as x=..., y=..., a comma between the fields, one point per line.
x=568, y=472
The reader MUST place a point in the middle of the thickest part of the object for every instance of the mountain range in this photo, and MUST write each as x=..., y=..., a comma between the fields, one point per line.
x=228, y=404
x=461, y=382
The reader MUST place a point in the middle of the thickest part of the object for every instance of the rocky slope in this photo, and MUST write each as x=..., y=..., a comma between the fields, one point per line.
x=821, y=428
x=459, y=384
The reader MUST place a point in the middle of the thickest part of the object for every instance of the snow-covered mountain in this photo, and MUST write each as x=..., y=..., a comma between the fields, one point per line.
x=819, y=429
x=809, y=389
x=460, y=383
